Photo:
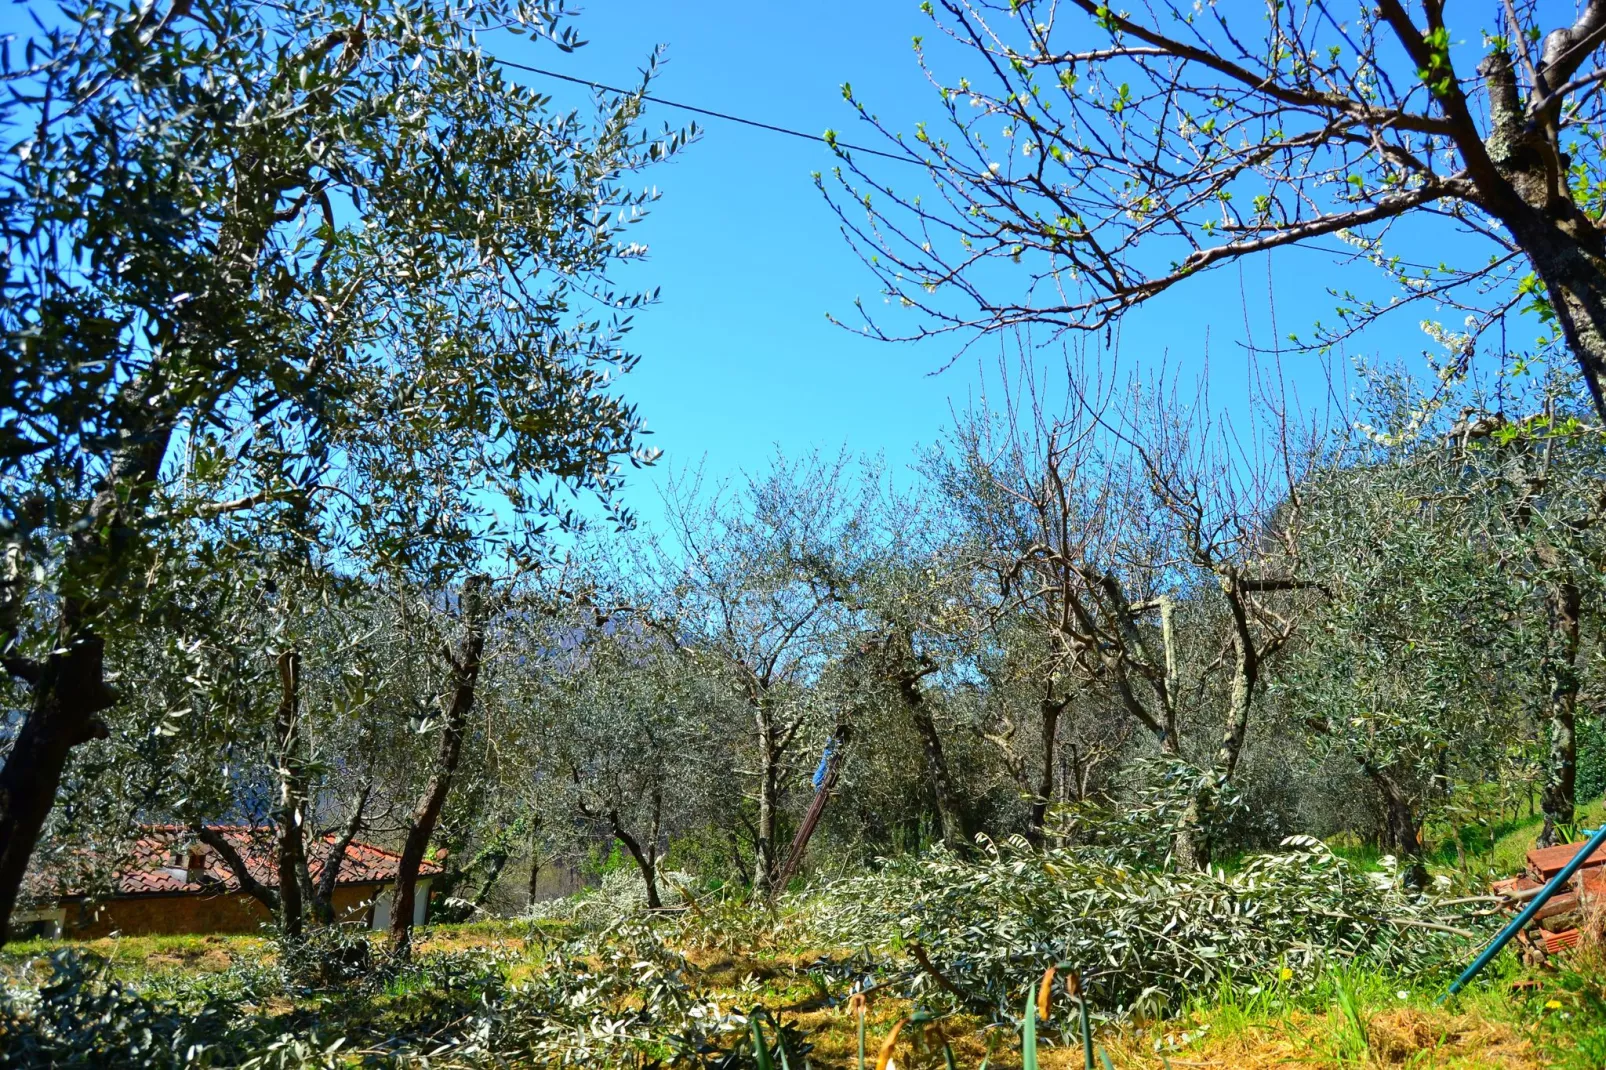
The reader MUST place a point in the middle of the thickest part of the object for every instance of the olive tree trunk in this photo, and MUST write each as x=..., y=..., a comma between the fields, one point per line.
x=1401, y=831
x=323, y=899
x=1193, y=847
x=290, y=858
x=645, y=855
x=769, y=790
x=69, y=692
x=950, y=807
x=465, y=672
x=68, y=688
x=1050, y=709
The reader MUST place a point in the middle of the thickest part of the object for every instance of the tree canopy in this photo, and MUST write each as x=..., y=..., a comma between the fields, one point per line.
x=320, y=280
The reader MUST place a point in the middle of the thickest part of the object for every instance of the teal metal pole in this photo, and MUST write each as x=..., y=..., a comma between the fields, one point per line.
x=1555, y=885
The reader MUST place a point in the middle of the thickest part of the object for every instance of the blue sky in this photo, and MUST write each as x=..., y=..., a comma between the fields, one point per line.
x=739, y=358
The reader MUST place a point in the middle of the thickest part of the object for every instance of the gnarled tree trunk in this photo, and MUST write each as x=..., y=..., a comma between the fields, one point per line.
x=69, y=692
x=1400, y=831
x=773, y=739
x=1523, y=181
x=1050, y=710
x=290, y=858
x=68, y=688
x=465, y=672
x=645, y=855
x=950, y=808
x=906, y=669
x=323, y=899
x=1193, y=847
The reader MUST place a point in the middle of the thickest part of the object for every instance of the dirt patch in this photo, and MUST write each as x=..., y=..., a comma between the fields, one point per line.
x=834, y=1038
x=723, y=970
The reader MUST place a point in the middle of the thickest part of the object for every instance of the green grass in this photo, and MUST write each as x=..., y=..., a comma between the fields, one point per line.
x=1496, y=849
x=1359, y=1017
x=1514, y=840
x=141, y=955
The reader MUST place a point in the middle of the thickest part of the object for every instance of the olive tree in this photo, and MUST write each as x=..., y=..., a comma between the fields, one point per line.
x=1109, y=527
x=1417, y=665
x=1036, y=518
x=1546, y=471
x=263, y=267
x=1521, y=466
x=897, y=584
x=736, y=598
x=624, y=728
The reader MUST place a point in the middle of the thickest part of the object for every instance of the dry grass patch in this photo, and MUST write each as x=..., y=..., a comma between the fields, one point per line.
x=1397, y=1037
x=212, y=953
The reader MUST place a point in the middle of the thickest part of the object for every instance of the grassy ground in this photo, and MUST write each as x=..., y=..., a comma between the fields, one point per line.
x=1488, y=1030
x=1501, y=847
x=1514, y=1019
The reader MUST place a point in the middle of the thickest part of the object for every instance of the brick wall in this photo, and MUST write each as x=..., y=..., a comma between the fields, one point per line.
x=149, y=915
x=354, y=902
x=167, y=914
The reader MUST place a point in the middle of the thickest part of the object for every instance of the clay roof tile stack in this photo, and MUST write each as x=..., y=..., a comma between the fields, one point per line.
x=1556, y=925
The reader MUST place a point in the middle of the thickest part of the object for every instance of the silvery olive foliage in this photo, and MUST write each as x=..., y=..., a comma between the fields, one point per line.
x=604, y=999
x=1135, y=826
x=83, y=1016
x=618, y=895
x=1456, y=638
x=285, y=225
x=319, y=279
x=1143, y=938
x=1412, y=668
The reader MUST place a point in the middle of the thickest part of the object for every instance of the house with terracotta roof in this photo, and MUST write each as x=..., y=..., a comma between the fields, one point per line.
x=173, y=883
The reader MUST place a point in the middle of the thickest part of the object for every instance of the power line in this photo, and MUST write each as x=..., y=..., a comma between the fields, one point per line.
x=703, y=111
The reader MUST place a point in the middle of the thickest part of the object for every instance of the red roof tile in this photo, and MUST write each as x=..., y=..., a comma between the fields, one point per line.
x=152, y=867
x=1545, y=862
x=1555, y=942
